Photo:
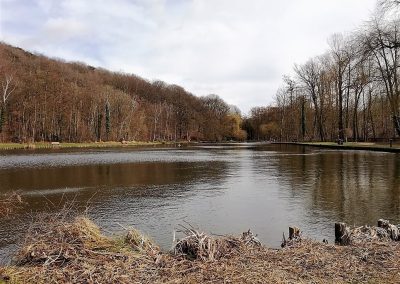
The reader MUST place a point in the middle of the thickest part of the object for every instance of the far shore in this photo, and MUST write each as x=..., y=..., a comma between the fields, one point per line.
x=62, y=145
x=365, y=146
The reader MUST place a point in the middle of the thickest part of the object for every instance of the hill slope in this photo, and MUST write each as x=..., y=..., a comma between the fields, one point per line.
x=45, y=99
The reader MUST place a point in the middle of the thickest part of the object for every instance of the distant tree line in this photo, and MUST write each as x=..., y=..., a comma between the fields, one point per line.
x=351, y=92
x=50, y=100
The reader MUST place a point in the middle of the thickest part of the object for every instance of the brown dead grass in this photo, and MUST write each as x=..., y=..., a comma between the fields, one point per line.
x=75, y=251
x=9, y=203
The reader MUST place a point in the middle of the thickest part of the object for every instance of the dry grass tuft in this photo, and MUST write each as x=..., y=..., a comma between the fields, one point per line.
x=68, y=249
x=57, y=242
x=198, y=245
x=139, y=242
x=9, y=203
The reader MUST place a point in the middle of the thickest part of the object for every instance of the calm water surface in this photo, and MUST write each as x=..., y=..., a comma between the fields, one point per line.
x=220, y=189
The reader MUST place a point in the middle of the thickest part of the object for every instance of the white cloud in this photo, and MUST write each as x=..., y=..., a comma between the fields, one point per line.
x=237, y=49
x=64, y=29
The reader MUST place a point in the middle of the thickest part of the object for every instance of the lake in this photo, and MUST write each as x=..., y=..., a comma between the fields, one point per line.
x=221, y=189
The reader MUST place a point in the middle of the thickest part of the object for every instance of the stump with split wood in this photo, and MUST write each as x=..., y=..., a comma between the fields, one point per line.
x=392, y=230
x=342, y=234
x=294, y=232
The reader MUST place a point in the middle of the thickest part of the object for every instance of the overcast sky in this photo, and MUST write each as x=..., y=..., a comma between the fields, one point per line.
x=236, y=49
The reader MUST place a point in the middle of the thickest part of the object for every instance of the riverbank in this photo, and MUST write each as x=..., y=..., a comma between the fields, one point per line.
x=348, y=146
x=57, y=250
x=48, y=145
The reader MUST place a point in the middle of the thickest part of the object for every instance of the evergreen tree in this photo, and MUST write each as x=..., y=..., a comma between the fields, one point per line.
x=108, y=119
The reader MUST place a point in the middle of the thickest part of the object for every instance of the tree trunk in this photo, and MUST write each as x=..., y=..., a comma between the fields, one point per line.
x=340, y=112
x=396, y=121
x=2, y=117
x=303, y=119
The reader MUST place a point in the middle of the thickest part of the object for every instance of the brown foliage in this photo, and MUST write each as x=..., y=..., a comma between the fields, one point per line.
x=72, y=102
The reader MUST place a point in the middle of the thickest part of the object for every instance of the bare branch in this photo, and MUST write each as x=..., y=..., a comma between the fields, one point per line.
x=7, y=88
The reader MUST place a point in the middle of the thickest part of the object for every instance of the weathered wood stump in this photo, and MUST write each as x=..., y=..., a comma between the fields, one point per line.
x=392, y=230
x=294, y=236
x=294, y=232
x=342, y=234
x=339, y=230
x=382, y=223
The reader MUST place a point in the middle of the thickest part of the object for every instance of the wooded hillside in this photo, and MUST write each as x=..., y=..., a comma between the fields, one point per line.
x=350, y=92
x=44, y=99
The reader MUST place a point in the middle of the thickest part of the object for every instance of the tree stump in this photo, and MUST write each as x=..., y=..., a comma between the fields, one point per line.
x=342, y=234
x=382, y=223
x=294, y=232
x=392, y=230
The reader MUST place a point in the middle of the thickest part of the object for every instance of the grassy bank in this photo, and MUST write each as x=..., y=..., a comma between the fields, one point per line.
x=349, y=146
x=47, y=145
x=57, y=250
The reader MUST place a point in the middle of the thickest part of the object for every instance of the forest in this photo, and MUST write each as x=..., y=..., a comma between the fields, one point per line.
x=351, y=92
x=47, y=99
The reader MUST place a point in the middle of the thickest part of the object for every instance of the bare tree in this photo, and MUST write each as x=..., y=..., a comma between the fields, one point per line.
x=380, y=41
x=8, y=88
x=386, y=5
x=310, y=77
x=358, y=79
x=340, y=62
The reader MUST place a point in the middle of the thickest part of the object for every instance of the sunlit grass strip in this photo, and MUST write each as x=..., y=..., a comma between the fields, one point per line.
x=9, y=146
x=47, y=145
